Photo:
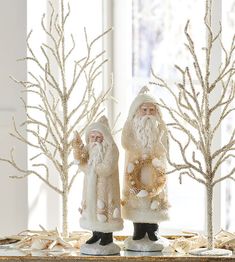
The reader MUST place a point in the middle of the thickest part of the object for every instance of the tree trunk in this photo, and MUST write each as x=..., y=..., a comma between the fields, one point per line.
x=210, y=234
x=65, y=213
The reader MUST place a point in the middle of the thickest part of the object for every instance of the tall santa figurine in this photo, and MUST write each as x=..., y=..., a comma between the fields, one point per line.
x=100, y=207
x=144, y=138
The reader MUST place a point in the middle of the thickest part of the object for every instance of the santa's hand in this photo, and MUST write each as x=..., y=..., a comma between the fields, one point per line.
x=158, y=163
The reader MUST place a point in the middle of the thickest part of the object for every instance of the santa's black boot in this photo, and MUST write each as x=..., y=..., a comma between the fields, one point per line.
x=95, y=237
x=151, y=229
x=106, y=238
x=139, y=231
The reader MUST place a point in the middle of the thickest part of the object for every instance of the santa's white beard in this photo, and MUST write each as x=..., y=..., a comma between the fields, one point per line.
x=146, y=132
x=96, y=153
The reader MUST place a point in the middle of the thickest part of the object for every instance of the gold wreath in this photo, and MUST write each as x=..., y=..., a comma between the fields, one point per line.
x=159, y=178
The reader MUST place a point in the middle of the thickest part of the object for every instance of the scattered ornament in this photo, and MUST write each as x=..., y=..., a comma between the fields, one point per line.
x=46, y=241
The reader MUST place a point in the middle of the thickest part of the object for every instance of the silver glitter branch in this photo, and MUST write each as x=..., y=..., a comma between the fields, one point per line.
x=51, y=121
x=192, y=115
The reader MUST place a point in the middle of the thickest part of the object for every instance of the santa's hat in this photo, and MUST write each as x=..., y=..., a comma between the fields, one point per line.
x=140, y=99
x=102, y=126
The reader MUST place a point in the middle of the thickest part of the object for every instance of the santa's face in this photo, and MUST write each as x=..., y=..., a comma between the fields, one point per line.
x=97, y=147
x=95, y=136
x=147, y=109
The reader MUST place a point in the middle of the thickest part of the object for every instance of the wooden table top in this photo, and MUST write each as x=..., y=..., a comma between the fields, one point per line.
x=125, y=256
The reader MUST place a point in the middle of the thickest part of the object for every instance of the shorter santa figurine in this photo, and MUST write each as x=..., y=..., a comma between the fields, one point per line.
x=100, y=207
x=145, y=203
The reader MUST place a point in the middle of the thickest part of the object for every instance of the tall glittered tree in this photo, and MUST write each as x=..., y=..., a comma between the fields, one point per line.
x=198, y=113
x=54, y=80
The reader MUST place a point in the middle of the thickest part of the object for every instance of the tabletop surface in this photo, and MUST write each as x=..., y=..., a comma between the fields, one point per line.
x=7, y=254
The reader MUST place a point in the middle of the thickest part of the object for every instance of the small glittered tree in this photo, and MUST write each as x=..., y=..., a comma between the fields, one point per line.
x=197, y=114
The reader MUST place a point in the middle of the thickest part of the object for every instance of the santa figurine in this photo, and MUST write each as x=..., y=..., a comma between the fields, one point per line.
x=100, y=207
x=145, y=203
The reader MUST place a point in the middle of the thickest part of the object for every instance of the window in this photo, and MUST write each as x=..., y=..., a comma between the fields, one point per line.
x=156, y=36
x=146, y=32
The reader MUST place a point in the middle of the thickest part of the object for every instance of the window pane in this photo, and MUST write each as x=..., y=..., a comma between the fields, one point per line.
x=158, y=35
x=37, y=191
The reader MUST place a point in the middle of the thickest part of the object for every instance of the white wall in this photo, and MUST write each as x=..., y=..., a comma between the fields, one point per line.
x=13, y=193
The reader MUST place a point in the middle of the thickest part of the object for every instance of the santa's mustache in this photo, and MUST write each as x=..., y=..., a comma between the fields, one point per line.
x=96, y=152
x=93, y=144
x=148, y=118
x=97, y=148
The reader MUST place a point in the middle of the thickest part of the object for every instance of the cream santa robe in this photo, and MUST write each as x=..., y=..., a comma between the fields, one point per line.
x=142, y=209
x=101, y=192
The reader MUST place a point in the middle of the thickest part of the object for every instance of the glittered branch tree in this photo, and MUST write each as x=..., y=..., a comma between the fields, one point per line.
x=56, y=80
x=197, y=115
